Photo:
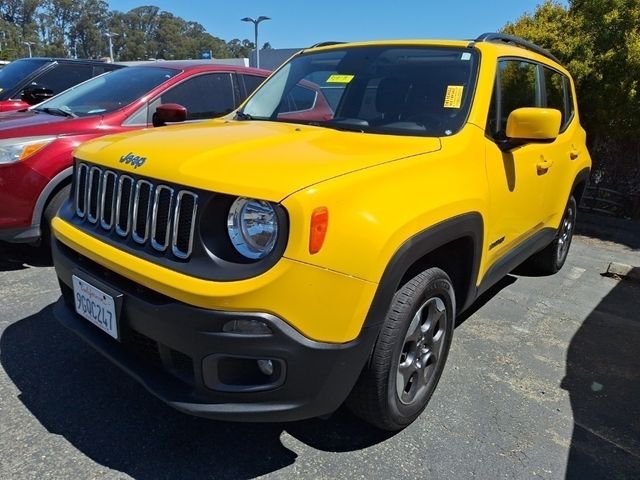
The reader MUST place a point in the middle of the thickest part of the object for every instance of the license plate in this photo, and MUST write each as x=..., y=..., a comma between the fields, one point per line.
x=96, y=306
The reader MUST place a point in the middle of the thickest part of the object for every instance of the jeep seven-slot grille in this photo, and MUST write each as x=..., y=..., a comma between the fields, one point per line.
x=148, y=213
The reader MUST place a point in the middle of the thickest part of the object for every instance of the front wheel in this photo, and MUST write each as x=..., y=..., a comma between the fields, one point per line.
x=409, y=355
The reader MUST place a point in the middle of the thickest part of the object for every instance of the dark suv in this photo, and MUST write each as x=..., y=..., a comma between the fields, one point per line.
x=29, y=81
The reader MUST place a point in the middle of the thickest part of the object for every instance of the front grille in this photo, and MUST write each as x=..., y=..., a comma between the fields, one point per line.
x=148, y=213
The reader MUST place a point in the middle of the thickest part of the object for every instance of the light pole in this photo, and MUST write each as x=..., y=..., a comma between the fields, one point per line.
x=256, y=22
x=28, y=44
x=110, y=36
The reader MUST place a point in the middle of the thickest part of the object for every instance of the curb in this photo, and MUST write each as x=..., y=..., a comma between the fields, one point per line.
x=623, y=270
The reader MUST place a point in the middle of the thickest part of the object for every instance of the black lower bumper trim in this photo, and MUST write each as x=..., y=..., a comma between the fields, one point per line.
x=317, y=377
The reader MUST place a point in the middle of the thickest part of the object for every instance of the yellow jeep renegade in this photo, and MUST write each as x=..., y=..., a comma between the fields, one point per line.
x=314, y=247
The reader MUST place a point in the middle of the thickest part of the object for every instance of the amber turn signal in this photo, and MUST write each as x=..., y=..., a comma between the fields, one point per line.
x=319, y=225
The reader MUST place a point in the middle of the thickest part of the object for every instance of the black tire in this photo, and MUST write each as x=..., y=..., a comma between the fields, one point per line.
x=50, y=211
x=553, y=257
x=423, y=307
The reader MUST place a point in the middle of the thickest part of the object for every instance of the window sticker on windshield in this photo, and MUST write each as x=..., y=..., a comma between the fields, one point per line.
x=336, y=78
x=465, y=56
x=453, y=98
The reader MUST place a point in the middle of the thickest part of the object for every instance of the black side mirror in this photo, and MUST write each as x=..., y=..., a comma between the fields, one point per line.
x=35, y=94
x=169, y=113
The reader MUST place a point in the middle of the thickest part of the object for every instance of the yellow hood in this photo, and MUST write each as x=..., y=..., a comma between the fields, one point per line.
x=266, y=160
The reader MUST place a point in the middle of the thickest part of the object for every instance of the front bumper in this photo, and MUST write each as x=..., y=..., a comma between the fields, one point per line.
x=177, y=352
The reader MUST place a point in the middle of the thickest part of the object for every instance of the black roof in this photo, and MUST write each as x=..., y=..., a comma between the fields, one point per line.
x=517, y=41
x=75, y=60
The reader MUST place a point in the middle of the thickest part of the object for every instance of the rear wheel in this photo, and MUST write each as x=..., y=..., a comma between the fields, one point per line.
x=552, y=258
x=409, y=355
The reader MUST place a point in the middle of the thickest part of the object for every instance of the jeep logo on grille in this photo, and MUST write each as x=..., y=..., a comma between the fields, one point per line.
x=132, y=159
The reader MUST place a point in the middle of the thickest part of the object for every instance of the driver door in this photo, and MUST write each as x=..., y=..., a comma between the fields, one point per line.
x=516, y=181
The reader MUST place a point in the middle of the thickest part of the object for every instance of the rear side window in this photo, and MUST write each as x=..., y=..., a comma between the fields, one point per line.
x=251, y=82
x=558, y=94
x=62, y=77
x=517, y=86
x=205, y=96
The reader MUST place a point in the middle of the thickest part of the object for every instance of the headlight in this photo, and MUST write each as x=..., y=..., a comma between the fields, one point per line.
x=253, y=227
x=16, y=149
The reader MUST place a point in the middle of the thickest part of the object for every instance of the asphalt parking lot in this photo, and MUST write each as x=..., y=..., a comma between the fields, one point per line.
x=543, y=381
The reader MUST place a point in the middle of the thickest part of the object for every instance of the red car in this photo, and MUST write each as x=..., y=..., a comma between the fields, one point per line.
x=36, y=145
x=29, y=81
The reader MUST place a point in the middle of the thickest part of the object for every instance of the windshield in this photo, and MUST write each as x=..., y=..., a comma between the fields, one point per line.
x=16, y=72
x=378, y=89
x=109, y=92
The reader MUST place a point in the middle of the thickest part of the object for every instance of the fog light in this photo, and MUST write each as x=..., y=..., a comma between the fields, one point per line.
x=247, y=327
x=266, y=367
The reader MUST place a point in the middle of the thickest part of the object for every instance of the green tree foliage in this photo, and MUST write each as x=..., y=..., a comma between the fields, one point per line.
x=19, y=24
x=69, y=28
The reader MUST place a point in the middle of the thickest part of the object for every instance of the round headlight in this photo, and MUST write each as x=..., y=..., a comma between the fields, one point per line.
x=253, y=227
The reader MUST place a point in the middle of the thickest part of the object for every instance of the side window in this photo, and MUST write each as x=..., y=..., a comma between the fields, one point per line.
x=100, y=69
x=62, y=77
x=569, y=108
x=205, y=96
x=554, y=91
x=516, y=87
x=251, y=82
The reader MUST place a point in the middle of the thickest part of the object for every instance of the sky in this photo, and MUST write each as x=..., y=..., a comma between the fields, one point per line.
x=301, y=23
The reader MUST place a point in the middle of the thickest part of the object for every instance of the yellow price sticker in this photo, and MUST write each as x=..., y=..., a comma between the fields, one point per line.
x=453, y=98
x=336, y=78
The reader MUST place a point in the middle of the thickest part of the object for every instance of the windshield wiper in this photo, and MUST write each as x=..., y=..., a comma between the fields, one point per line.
x=57, y=111
x=240, y=115
x=343, y=126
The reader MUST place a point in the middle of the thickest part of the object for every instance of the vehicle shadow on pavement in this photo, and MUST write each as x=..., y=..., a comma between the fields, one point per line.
x=603, y=381
x=18, y=257
x=485, y=298
x=74, y=392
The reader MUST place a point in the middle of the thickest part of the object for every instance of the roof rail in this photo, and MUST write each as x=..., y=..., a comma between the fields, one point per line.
x=520, y=42
x=325, y=44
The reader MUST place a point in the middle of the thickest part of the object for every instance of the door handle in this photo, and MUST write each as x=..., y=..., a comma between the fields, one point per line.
x=573, y=154
x=544, y=163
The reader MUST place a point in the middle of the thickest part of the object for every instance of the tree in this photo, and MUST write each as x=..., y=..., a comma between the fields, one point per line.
x=86, y=36
x=240, y=49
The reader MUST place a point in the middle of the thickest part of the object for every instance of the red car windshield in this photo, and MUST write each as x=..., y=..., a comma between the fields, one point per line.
x=410, y=90
x=108, y=92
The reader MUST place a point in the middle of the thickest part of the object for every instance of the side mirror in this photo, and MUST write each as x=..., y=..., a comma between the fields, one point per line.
x=526, y=125
x=35, y=94
x=169, y=113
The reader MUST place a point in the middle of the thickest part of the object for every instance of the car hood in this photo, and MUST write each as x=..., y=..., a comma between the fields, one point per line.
x=30, y=123
x=266, y=160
